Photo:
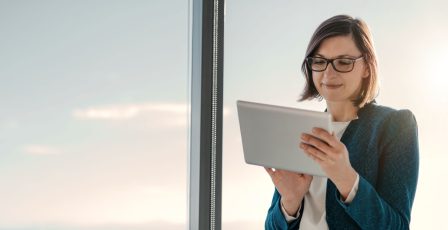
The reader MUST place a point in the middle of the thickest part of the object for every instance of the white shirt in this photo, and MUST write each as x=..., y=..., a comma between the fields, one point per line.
x=314, y=213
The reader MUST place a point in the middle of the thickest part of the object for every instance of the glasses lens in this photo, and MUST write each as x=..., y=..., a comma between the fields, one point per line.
x=317, y=64
x=343, y=64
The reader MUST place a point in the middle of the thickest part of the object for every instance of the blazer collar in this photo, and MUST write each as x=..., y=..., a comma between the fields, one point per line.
x=363, y=109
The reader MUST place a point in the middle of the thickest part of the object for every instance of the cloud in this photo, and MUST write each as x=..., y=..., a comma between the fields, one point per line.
x=131, y=111
x=41, y=150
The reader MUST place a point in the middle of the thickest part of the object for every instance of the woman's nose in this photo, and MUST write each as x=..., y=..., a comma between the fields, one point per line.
x=330, y=71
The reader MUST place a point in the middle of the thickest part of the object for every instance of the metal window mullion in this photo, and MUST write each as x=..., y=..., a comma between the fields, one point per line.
x=205, y=159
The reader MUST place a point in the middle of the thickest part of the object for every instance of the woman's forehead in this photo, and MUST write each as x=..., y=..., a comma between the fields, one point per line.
x=338, y=46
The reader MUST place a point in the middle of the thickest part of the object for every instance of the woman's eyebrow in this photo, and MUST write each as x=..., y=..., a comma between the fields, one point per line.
x=339, y=56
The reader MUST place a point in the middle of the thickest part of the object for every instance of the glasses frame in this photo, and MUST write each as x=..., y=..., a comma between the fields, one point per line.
x=328, y=61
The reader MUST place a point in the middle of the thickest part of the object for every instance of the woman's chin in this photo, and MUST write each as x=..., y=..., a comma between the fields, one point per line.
x=334, y=98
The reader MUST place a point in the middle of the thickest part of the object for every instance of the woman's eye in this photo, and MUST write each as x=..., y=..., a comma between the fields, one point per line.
x=344, y=62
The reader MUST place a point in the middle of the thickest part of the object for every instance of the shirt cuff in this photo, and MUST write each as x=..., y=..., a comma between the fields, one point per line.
x=353, y=192
x=289, y=218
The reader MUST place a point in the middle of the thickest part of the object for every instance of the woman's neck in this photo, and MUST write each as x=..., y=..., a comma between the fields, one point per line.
x=342, y=111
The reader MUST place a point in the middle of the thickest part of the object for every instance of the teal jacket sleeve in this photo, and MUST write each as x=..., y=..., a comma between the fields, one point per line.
x=388, y=203
x=275, y=218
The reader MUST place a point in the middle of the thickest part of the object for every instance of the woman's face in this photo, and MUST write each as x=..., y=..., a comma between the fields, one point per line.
x=334, y=86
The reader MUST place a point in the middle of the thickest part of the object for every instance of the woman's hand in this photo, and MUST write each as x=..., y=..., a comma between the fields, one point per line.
x=292, y=187
x=332, y=155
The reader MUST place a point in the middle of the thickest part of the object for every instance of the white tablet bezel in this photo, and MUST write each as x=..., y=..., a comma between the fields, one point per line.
x=271, y=135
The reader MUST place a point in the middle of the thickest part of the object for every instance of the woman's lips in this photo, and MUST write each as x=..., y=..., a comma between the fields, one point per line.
x=331, y=86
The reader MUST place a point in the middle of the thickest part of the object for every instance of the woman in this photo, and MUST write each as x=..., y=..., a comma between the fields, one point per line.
x=371, y=159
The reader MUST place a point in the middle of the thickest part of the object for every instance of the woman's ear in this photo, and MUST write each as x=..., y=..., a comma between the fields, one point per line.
x=366, y=72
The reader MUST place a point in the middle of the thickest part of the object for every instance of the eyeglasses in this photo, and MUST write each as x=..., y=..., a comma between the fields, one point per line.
x=342, y=65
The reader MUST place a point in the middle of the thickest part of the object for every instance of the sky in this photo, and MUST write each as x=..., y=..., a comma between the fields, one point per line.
x=94, y=98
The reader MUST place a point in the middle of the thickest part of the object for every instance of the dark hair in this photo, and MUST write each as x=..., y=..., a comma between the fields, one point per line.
x=343, y=25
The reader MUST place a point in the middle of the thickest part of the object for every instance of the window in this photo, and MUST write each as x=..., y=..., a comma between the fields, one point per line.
x=265, y=44
x=93, y=121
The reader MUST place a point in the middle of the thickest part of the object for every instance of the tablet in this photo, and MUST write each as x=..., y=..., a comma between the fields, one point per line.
x=270, y=135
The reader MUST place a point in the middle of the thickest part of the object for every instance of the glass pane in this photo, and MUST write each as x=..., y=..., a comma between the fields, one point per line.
x=93, y=121
x=263, y=52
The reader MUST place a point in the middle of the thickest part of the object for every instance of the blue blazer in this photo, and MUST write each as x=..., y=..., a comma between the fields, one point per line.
x=383, y=148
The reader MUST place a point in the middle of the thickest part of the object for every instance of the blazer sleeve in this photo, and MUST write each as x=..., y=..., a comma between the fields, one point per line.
x=275, y=218
x=387, y=205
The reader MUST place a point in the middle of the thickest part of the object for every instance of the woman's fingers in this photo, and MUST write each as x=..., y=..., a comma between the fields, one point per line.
x=326, y=143
x=325, y=136
x=308, y=177
x=317, y=143
x=314, y=152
